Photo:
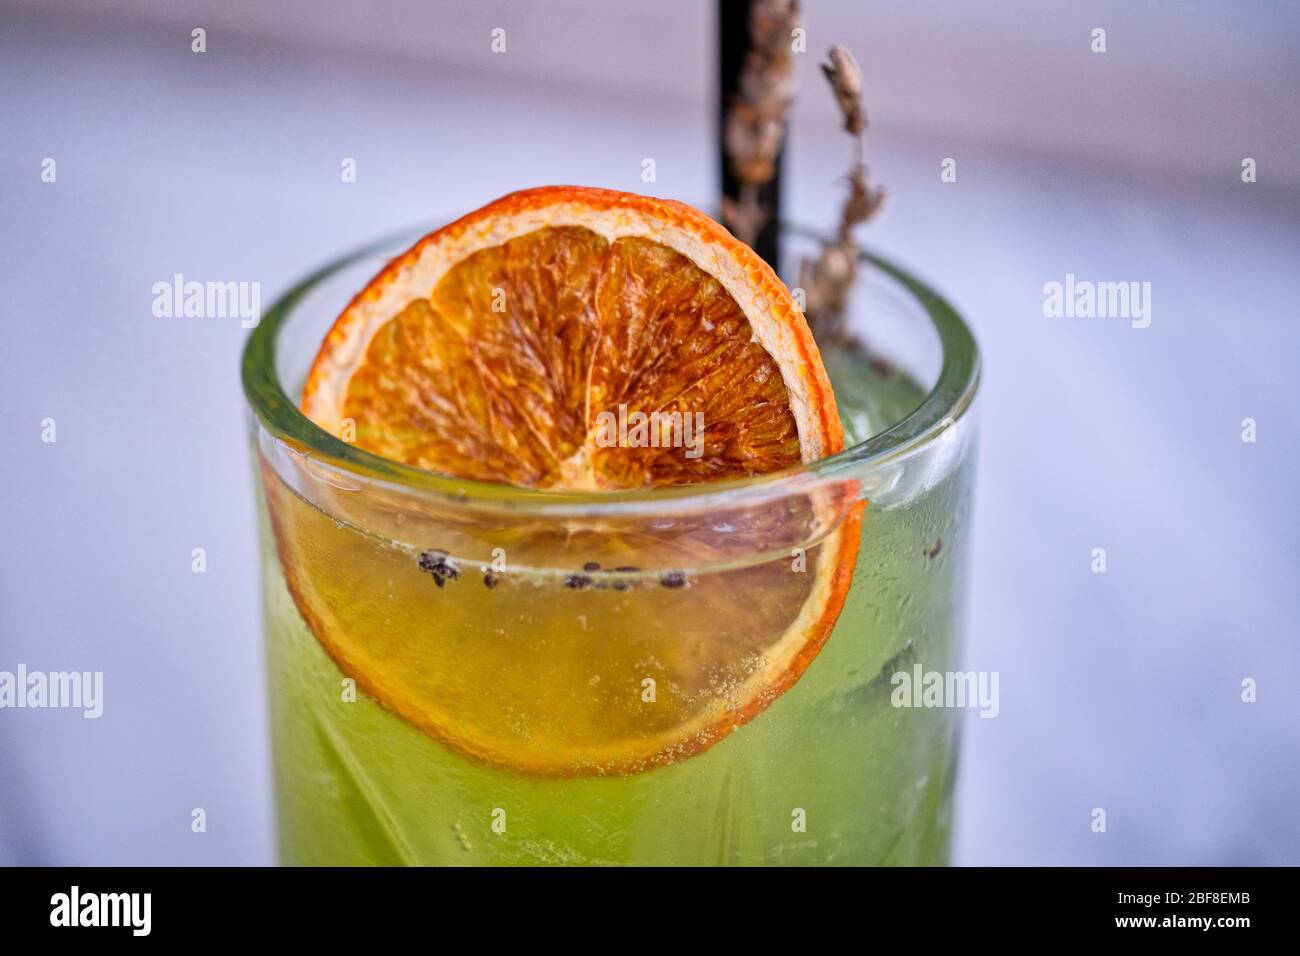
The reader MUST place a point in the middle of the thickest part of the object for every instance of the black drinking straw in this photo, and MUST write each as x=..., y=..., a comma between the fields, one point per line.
x=733, y=44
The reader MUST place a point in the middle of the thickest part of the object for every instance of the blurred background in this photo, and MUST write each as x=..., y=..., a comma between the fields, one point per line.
x=1119, y=690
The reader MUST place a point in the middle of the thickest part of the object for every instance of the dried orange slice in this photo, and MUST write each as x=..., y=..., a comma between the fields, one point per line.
x=518, y=345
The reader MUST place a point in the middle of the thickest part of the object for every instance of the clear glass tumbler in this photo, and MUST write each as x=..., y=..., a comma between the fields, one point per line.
x=541, y=699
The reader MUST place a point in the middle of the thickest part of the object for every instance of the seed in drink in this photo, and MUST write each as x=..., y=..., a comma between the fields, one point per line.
x=439, y=565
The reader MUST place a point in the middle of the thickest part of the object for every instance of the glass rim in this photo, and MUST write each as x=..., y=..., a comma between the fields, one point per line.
x=943, y=406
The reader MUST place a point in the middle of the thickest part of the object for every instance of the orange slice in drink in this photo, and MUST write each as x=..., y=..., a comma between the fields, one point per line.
x=567, y=338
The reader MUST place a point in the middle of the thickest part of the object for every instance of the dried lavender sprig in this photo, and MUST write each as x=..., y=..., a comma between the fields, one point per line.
x=826, y=281
x=757, y=118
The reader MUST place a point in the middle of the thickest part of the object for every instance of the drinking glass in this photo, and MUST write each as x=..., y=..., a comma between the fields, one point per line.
x=542, y=699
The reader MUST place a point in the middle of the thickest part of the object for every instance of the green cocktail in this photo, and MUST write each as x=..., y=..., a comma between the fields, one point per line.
x=826, y=772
